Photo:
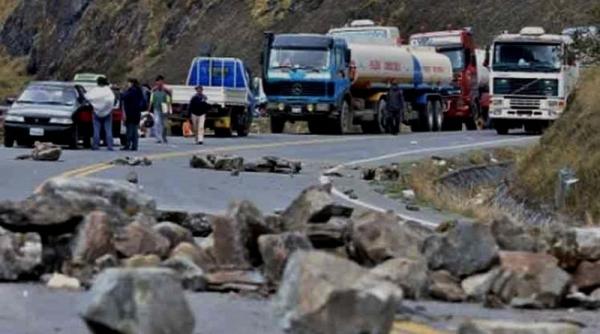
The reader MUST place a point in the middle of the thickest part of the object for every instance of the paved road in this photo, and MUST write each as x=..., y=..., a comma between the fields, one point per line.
x=176, y=186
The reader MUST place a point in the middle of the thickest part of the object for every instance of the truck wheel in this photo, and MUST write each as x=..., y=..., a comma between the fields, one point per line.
x=343, y=123
x=9, y=140
x=378, y=125
x=73, y=139
x=244, y=123
x=439, y=116
x=277, y=124
x=471, y=122
x=426, y=119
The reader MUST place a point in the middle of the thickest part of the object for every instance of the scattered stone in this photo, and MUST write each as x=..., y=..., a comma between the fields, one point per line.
x=580, y=299
x=138, y=238
x=132, y=177
x=311, y=202
x=271, y=164
x=277, y=248
x=235, y=280
x=191, y=276
x=201, y=163
x=132, y=161
x=351, y=194
x=412, y=207
x=142, y=261
x=446, y=287
x=20, y=255
x=587, y=275
x=333, y=174
x=588, y=242
x=506, y=326
x=174, y=233
x=60, y=281
x=410, y=275
x=530, y=280
x=335, y=233
x=409, y=195
x=511, y=236
x=382, y=173
x=106, y=261
x=229, y=163
x=378, y=237
x=456, y=251
x=149, y=301
x=322, y=293
x=94, y=238
x=478, y=286
x=43, y=152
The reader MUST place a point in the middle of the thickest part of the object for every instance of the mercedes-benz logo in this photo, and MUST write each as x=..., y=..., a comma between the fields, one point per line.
x=297, y=89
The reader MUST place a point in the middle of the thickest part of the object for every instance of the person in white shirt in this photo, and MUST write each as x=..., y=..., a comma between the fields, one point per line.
x=102, y=99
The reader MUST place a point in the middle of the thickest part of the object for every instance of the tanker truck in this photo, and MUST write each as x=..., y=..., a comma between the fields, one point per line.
x=334, y=83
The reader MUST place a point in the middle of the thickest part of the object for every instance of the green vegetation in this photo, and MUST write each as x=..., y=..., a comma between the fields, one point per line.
x=12, y=75
x=574, y=142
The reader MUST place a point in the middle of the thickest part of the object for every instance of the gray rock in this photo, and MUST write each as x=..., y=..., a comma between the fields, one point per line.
x=20, y=255
x=465, y=249
x=322, y=293
x=446, y=287
x=94, y=238
x=201, y=163
x=235, y=280
x=132, y=177
x=410, y=275
x=506, y=326
x=277, y=248
x=311, y=202
x=131, y=301
x=587, y=275
x=174, y=233
x=588, y=243
x=478, y=286
x=191, y=276
x=335, y=233
x=377, y=237
x=46, y=152
x=138, y=238
x=512, y=236
x=229, y=163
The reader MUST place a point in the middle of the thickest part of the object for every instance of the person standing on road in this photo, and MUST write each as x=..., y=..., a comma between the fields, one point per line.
x=395, y=107
x=197, y=109
x=102, y=99
x=160, y=106
x=134, y=103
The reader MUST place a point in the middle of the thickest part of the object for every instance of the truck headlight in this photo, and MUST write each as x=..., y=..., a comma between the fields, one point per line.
x=322, y=107
x=61, y=120
x=552, y=103
x=497, y=102
x=281, y=107
x=310, y=107
x=14, y=118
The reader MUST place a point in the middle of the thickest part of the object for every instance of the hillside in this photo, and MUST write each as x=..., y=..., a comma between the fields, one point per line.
x=145, y=37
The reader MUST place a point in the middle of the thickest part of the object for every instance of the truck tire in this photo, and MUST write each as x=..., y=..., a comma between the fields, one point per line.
x=378, y=125
x=277, y=124
x=9, y=140
x=438, y=116
x=425, y=122
x=243, y=124
x=73, y=138
x=471, y=122
x=342, y=124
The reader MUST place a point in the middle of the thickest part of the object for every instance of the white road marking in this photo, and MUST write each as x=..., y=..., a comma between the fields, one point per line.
x=323, y=179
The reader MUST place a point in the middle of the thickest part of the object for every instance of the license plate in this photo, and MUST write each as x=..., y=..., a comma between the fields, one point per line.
x=36, y=132
x=296, y=110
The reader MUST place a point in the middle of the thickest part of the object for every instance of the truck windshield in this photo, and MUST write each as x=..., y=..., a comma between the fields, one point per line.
x=364, y=36
x=307, y=59
x=527, y=57
x=457, y=58
x=45, y=94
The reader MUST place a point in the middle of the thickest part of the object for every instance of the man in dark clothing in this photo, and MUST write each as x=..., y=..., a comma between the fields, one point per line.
x=395, y=108
x=133, y=102
x=197, y=109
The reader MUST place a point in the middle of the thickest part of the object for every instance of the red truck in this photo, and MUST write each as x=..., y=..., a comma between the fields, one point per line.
x=469, y=103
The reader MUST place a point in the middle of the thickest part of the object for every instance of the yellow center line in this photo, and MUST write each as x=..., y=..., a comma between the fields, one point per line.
x=102, y=166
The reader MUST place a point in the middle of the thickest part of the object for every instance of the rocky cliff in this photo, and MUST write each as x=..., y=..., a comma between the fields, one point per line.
x=143, y=37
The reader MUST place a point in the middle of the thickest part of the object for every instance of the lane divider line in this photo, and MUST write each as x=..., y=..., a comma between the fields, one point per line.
x=324, y=179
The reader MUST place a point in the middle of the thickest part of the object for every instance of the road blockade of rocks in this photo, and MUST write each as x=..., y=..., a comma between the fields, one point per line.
x=42, y=152
x=236, y=164
x=333, y=269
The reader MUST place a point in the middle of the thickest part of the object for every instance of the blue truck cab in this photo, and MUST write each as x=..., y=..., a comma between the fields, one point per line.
x=306, y=78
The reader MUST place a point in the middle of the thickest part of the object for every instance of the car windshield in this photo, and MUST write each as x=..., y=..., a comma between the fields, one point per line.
x=287, y=59
x=527, y=57
x=46, y=94
x=457, y=58
x=372, y=36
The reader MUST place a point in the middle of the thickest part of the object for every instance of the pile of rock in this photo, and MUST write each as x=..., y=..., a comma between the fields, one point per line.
x=269, y=164
x=43, y=152
x=132, y=161
x=382, y=173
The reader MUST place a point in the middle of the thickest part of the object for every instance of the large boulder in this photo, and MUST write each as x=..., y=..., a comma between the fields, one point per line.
x=94, y=238
x=335, y=233
x=277, y=248
x=322, y=293
x=197, y=223
x=465, y=249
x=20, y=255
x=138, y=238
x=478, y=286
x=512, y=236
x=588, y=243
x=133, y=301
x=174, y=233
x=60, y=204
x=446, y=287
x=410, y=275
x=532, y=280
x=191, y=276
x=587, y=275
x=378, y=237
x=315, y=204
x=506, y=326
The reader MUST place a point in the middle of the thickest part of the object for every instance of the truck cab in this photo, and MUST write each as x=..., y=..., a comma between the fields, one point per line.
x=532, y=78
x=465, y=102
x=306, y=78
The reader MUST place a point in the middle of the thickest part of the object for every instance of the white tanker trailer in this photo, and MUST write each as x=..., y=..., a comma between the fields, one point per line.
x=339, y=80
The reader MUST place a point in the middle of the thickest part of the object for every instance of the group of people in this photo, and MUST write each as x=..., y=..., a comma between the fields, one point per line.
x=143, y=108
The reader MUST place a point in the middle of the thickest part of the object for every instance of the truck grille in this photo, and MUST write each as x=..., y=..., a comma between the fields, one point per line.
x=525, y=104
x=298, y=89
x=37, y=120
x=532, y=87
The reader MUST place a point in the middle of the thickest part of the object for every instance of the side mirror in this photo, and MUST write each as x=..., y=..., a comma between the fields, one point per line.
x=10, y=100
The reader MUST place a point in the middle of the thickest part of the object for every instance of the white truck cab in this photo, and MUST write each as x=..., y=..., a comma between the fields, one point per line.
x=367, y=32
x=532, y=78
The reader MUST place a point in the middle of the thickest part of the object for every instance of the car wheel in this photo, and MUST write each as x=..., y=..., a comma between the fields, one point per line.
x=73, y=139
x=9, y=140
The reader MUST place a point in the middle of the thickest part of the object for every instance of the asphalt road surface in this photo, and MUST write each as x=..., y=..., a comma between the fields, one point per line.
x=32, y=309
